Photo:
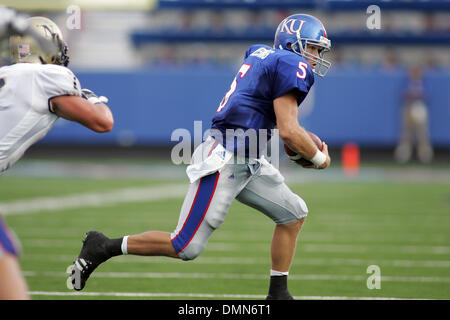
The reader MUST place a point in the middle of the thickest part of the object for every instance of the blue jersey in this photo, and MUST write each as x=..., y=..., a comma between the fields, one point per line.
x=265, y=75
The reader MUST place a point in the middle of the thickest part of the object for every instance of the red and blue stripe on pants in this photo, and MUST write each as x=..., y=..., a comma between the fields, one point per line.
x=205, y=192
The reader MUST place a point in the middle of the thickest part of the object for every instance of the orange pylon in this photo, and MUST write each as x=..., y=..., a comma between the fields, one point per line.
x=350, y=159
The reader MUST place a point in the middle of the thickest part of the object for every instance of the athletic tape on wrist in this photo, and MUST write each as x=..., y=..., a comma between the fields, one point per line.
x=319, y=158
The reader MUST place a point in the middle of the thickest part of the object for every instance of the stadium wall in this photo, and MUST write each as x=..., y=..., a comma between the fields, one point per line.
x=349, y=105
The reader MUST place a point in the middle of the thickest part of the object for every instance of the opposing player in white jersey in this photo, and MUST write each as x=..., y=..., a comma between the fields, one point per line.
x=35, y=90
x=266, y=92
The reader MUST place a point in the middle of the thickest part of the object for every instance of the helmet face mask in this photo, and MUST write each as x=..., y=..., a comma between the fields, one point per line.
x=62, y=57
x=27, y=49
x=300, y=47
x=297, y=33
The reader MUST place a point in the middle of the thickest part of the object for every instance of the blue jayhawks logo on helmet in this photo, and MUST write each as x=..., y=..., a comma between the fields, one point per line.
x=297, y=32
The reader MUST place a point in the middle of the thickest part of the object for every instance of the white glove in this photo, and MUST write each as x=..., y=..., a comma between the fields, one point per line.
x=92, y=97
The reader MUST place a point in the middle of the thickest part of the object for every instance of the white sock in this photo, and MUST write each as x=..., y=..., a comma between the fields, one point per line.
x=278, y=273
x=125, y=245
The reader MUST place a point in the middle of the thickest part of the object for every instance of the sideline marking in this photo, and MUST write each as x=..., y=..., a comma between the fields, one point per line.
x=177, y=275
x=246, y=261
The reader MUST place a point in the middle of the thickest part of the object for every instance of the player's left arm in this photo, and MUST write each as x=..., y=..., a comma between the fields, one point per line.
x=97, y=117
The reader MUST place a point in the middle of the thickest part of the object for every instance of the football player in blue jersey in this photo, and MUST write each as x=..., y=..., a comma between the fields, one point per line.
x=266, y=93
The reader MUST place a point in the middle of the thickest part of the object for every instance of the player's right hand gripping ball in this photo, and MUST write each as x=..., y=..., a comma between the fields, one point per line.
x=297, y=157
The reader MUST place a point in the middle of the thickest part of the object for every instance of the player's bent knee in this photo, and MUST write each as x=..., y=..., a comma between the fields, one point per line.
x=299, y=223
x=296, y=213
x=297, y=209
x=301, y=208
x=192, y=251
x=214, y=220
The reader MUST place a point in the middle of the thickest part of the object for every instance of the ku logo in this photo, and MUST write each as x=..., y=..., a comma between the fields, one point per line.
x=291, y=26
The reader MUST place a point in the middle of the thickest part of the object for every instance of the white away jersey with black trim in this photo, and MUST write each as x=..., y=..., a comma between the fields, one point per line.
x=25, y=91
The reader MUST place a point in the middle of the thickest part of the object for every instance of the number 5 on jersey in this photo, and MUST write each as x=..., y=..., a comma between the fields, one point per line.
x=302, y=66
x=241, y=73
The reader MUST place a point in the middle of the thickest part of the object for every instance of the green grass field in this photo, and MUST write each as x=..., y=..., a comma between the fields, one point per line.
x=404, y=228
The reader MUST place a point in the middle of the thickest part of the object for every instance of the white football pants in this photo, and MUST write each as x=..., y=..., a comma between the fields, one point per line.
x=216, y=180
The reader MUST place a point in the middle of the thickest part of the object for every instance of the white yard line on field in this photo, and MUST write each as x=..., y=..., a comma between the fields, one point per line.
x=360, y=248
x=94, y=199
x=176, y=275
x=194, y=295
x=258, y=261
x=318, y=247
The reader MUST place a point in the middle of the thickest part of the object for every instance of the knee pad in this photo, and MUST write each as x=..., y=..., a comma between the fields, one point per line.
x=192, y=251
x=301, y=208
x=214, y=221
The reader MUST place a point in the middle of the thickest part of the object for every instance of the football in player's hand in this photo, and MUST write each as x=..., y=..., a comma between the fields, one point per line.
x=298, y=158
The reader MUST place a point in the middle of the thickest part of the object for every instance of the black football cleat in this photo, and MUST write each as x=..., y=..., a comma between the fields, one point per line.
x=92, y=254
x=283, y=296
x=278, y=289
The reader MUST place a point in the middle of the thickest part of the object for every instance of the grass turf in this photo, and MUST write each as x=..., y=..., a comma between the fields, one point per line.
x=402, y=228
